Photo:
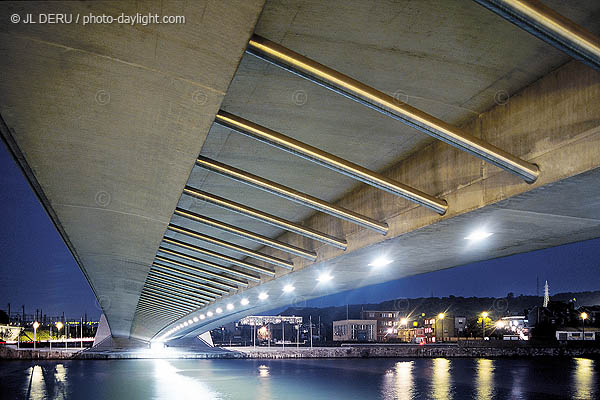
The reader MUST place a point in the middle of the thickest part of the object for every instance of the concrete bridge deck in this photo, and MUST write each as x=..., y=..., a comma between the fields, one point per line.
x=107, y=122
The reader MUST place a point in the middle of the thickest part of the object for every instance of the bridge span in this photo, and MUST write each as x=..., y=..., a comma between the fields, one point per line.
x=262, y=154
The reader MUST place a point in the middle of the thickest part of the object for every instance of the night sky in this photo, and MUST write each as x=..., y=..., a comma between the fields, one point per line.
x=38, y=270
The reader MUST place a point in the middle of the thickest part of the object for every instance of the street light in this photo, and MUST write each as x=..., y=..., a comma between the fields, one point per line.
x=484, y=315
x=35, y=326
x=404, y=321
x=442, y=316
x=59, y=326
x=583, y=318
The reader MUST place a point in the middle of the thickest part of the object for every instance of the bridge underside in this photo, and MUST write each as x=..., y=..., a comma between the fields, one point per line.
x=110, y=131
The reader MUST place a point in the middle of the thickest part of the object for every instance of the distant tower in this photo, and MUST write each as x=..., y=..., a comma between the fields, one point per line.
x=546, y=295
x=537, y=286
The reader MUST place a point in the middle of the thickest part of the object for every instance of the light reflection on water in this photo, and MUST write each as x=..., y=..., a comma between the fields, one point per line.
x=398, y=382
x=585, y=379
x=441, y=379
x=485, y=379
x=400, y=379
x=37, y=387
x=169, y=382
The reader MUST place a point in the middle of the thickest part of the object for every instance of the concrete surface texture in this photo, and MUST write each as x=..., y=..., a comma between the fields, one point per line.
x=467, y=75
x=111, y=118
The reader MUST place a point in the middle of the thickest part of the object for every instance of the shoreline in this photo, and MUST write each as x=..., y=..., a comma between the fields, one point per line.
x=351, y=351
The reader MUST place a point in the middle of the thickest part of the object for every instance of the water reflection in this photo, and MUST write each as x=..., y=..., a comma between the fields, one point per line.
x=484, y=379
x=169, y=383
x=403, y=379
x=37, y=386
x=264, y=385
x=263, y=371
x=60, y=382
x=584, y=379
x=398, y=382
x=518, y=383
x=441, y=379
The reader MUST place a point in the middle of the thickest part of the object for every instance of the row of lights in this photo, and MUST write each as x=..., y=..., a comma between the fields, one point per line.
x=475, y=236
x=323, y=278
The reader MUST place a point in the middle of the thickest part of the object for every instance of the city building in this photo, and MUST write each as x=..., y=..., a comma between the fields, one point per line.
x=360, y=330
x=574, y=334
x=269, y=328
x=411, y=335
x=387, y=323
x=429, y=330
x=556, y=314
x=460, y=326
x=513, y=327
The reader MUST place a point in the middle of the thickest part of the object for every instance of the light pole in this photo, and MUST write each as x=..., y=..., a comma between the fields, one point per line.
x=442, y=316
x=484, y=315
x=59, y=326
x=310, y=328
x=583, y=318
x=35, y=326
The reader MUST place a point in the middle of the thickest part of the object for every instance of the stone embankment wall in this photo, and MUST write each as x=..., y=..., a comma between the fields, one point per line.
x=9, y=353
x=365, y=351
x=420, y=351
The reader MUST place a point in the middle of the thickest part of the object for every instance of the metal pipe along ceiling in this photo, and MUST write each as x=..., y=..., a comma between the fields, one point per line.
x=183, y=286
x=291, y=194
x=146, y=307
x=181, y=289
x=210, y=264
x=176, y=271
x=255, y=237
x=184, y=292
x=549, y=26
x=216, y=291
x=231, y=246
x=223, y=257
x=266, y=218
x=280, y=141
x=177, y=295
x=204, y=272
x=173, y=297
x=387, y=105
x=171, y=302
x=162, y=310
x=149, y=298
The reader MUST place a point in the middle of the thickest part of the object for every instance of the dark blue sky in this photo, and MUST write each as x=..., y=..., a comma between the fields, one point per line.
x=38, y=270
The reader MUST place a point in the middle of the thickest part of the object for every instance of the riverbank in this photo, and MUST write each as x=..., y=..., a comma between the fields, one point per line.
x=415, y=351
x=520, y=350
x=12, y=353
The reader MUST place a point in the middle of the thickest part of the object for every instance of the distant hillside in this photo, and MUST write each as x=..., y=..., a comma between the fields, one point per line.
x=469, y=307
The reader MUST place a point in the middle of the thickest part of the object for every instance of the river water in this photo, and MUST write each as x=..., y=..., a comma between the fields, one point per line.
x=567, y=378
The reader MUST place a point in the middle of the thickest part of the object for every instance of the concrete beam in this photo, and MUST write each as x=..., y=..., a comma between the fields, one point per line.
x=554, y=123
x=109, y=119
